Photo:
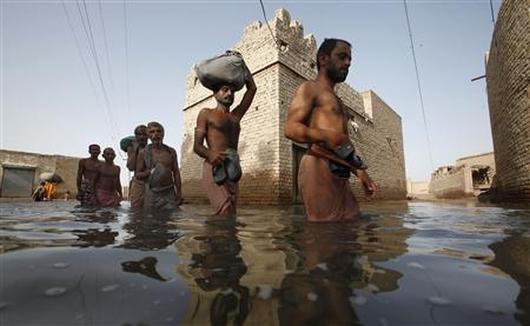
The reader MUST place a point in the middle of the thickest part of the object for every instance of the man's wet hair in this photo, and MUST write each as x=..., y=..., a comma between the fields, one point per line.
x=217, y=87
x=93, y=145
x=137, y=129
x=155, y=124
x=327, y=46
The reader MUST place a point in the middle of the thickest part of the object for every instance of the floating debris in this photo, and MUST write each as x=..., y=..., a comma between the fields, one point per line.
x=323, y=266
x=439, y=301
x=108, y=288
x=493, y=310
x=372, y=288
x=312, y=296
x=264, y=291
x=380, y=271
x=358, y=300
x=416, y=265
x=61, y=265
x=53, y=292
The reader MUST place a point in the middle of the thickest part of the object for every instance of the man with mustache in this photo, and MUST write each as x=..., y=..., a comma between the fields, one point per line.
x=318, y=117
x=158, y=166
x=220, y=127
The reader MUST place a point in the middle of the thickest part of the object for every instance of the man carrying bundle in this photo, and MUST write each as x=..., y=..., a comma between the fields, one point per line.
x=221, y=128
x=317, y=117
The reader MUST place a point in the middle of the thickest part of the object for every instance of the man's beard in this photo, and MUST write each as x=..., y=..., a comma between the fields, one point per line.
x=337, y=75
x=227, y=101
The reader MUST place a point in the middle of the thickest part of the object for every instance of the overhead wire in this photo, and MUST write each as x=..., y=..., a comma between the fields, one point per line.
x=87, y=26
x=419, y=85
x=267, y=22
x=126, y=44
x=105, y=43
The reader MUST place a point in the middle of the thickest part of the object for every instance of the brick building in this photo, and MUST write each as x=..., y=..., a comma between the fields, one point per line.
x=508, y=75
x=269, y=160
x=20, y=173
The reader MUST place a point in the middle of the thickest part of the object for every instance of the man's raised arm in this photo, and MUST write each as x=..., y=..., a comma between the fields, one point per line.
x=242, y=108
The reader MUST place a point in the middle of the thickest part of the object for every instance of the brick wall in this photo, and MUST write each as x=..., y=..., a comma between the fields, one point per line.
x=266, y=155
x=64, y=166
x=455, y=184
x=508, y=87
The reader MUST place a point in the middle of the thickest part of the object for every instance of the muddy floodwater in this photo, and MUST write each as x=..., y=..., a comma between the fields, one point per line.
x=402, y=263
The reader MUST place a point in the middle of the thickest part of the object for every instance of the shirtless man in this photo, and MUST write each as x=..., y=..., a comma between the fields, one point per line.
x=220, y=126
x=317, y=117
x=137, y=186
x=108, y=185
x=86, y=177
x=158, y=166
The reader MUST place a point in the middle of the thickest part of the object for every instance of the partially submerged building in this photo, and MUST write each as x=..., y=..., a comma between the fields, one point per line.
x=20, y=173
x=470, y=176
x=269, y=160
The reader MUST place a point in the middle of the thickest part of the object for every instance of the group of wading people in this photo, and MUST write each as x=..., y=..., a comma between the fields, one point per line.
x=316, y=117
x=156, y=181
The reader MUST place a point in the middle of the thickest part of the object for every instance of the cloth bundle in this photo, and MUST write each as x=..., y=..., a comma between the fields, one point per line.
x=225, y=69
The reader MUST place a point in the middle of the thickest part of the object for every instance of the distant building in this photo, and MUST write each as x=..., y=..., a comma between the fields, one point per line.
x=269, y=160
x=470, y=176
x=415, y=188
x=20, y=173
x=508, y=76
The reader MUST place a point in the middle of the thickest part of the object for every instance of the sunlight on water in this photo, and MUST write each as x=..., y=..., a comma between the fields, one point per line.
x=401, y=263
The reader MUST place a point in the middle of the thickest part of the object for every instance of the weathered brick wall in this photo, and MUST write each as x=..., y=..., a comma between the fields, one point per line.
x=266, y=155
x=64, y=166
x=456, y=184
x=508, y=86
x=481, y=159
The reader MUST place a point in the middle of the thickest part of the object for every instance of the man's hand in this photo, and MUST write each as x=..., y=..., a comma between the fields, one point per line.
x=369, y=186
x=215, y=157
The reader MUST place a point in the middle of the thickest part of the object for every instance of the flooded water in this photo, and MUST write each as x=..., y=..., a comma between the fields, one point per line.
x=402, y=263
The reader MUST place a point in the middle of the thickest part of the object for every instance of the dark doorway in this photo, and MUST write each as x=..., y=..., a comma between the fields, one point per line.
x=17, y=181
x=298, y=152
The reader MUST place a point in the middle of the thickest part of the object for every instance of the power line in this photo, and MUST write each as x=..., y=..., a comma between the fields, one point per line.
x=105, y=43
x=267, y=22
x=492, y=13
x=419, y=84
x=78, y=46
x=87, y=26
x=126, y=43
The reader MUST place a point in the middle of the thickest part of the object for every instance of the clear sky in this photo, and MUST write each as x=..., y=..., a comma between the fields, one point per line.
x=52, y=100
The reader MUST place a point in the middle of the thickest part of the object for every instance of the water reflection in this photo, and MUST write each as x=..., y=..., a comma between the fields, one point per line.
x=150, y=230
x=214, y=271
x=286, y=271
x=512, y=256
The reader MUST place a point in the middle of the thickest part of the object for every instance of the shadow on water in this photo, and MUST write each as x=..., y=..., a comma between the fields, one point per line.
x=401, y=263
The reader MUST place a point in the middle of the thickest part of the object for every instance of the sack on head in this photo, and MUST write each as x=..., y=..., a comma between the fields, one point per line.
x=225, y=69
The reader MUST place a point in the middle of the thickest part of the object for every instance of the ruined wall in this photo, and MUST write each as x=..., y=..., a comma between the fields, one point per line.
x=266, y=155
x=64, y=166
x=507, y=74
x=455, y=184
x=481, y=159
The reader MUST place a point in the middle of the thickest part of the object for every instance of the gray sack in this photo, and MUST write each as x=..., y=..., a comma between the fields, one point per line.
x=228, y=68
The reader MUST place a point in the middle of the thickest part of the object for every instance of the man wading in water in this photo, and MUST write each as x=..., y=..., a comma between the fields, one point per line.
x=317, y=117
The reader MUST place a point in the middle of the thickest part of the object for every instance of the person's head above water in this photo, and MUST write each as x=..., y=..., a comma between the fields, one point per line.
x=224, y=94
x=156, y=132
x=334, y=59
x=94, y=150
x=140, y=134
x=109, y=154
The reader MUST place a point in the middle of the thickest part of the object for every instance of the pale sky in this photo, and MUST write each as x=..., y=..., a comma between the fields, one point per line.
x=52, y=100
